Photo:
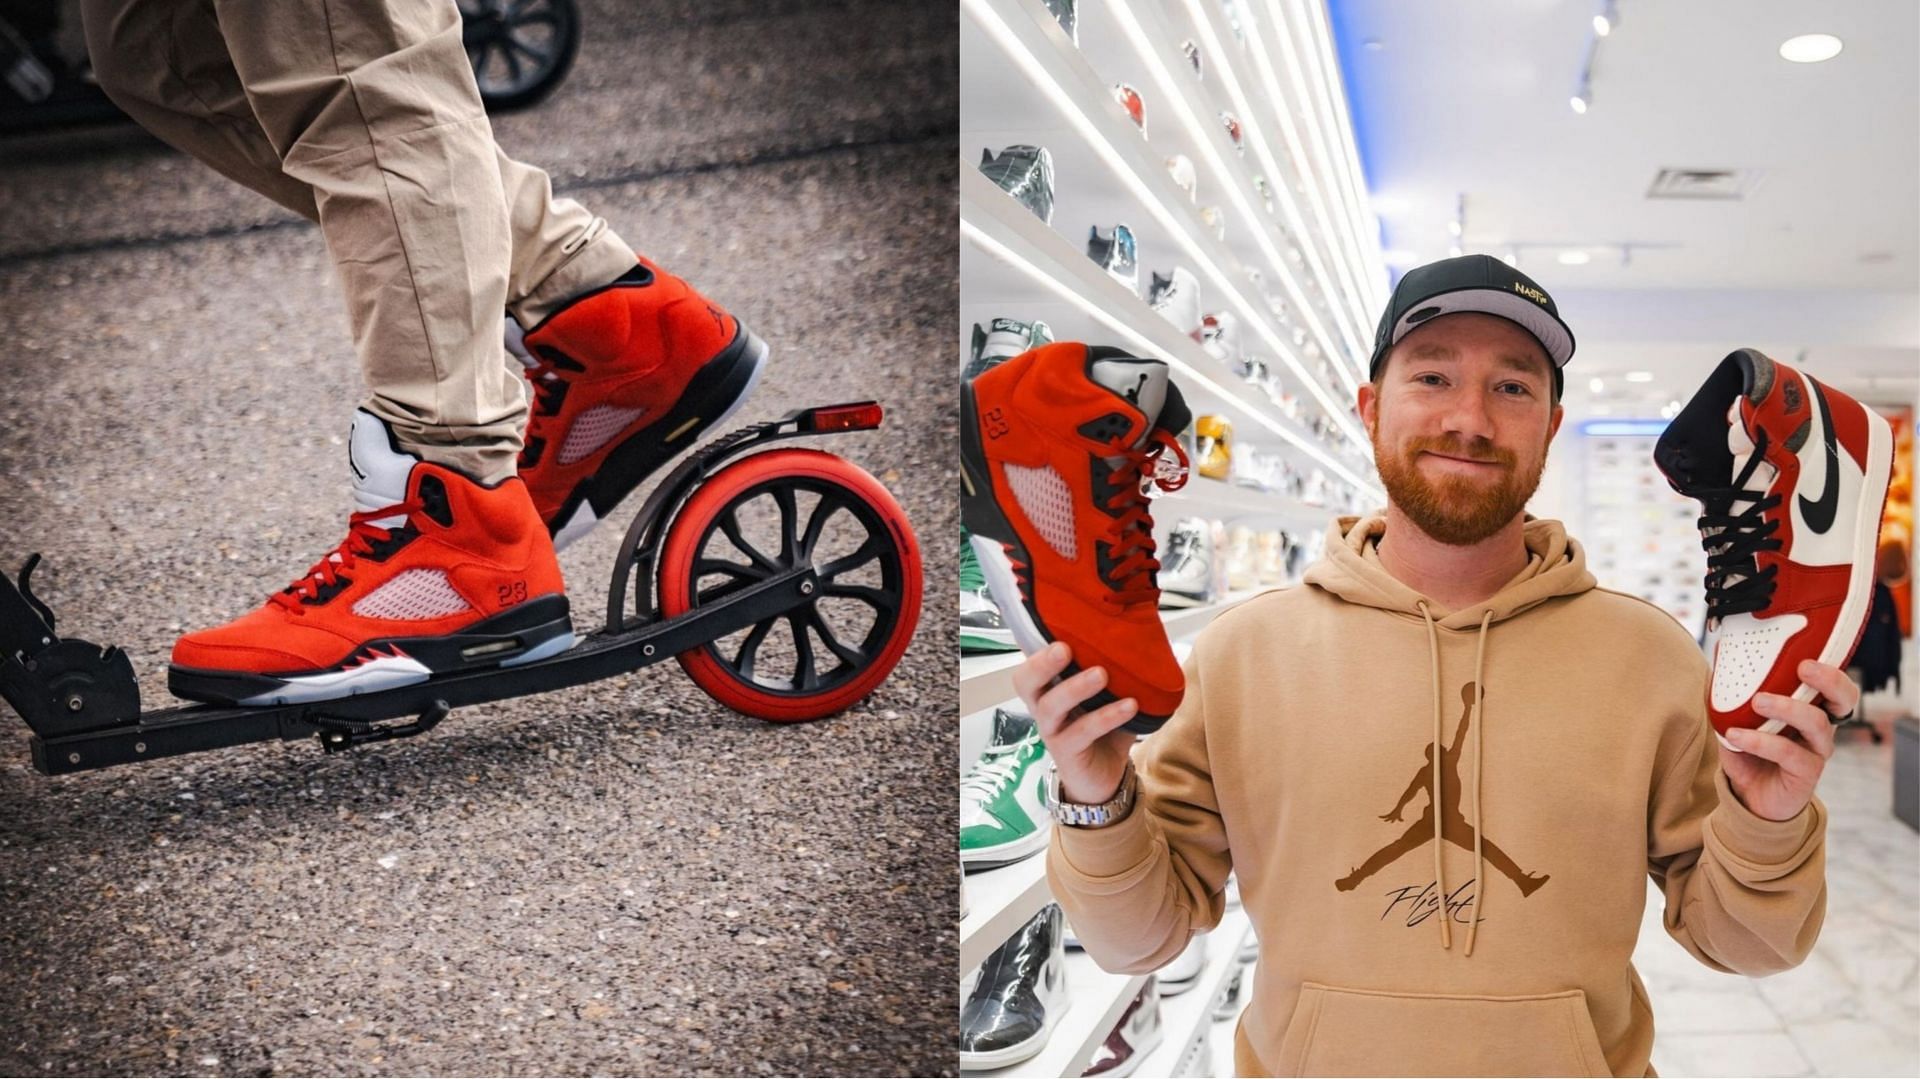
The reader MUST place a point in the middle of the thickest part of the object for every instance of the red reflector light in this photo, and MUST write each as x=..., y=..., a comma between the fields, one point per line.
x=861, y=417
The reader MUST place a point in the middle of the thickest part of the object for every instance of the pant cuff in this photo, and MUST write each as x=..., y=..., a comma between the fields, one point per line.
x=598, y=261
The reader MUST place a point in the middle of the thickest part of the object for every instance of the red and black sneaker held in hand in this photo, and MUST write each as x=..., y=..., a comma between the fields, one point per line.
x=1057, y=446
x=437, y=574
x=1793, y=477
x=624, y=378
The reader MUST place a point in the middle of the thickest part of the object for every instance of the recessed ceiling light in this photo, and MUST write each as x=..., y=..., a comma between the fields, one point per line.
x=1595, y=385
x=1602, y=25
x=1574, y=258
x=1810, y=48
x=1579, y=103
x=1373, y=44
x=1639, y=376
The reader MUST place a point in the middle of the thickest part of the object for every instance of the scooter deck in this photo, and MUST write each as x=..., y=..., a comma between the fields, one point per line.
x=355, y=720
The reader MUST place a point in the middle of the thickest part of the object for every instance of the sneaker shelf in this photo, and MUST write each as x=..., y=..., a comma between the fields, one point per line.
x=1022, y=45
x=988, y=680
x=999, y=902
x=1009, y=254
x=1096, y=999
x=1105, y=168
x=1187, y=1018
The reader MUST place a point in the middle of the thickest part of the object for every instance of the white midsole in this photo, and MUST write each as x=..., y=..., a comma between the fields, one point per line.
x=1026, y=1050
x=998, y=570
x=385, y=672
x=1009, y=852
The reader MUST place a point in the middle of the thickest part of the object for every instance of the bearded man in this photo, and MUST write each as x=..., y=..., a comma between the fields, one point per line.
x=1451, y=653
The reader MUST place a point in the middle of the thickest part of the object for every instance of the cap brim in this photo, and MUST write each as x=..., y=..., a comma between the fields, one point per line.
x=1552, y=334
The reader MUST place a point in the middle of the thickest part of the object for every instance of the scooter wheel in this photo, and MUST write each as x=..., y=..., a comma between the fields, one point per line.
x=773, y=512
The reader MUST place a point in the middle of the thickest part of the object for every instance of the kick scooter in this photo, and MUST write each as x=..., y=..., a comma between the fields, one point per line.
x=792, y=544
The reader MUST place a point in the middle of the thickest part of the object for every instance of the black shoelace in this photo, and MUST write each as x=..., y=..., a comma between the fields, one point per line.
x=1732, y=541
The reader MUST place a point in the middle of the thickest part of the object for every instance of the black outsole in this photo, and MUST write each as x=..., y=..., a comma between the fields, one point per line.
x=713, y=390
x=526, y=626
x=983, y=517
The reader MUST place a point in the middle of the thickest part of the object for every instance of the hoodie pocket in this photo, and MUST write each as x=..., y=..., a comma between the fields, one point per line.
x=1338, y=1031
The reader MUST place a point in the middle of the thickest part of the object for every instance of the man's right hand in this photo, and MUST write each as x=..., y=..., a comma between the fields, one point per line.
x=1088, y=748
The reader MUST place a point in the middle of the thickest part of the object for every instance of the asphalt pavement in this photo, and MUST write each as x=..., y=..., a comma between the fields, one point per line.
x=621, y=878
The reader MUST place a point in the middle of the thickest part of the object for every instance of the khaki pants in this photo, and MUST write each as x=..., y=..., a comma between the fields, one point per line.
x=362, y=115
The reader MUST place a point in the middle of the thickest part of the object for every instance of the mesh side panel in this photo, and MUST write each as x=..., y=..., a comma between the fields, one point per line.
x=593, y=429
x=1044, y=498
x=414, y=595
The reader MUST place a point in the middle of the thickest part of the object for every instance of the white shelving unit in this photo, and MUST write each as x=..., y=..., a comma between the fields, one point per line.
x=987, y=680
x=1188, y=1018
x=1098, y=999
x=1008, y=257
x=999, y=902
x=1304, y=281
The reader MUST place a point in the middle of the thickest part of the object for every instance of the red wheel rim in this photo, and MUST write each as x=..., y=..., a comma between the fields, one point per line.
x=769, y=513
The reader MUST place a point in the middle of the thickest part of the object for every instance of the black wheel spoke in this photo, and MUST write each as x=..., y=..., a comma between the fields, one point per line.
x=804, y=677
x=540, y=58
x=730, y=524
x=789, y=522
x=847, y=654
x=817, y=523
x=721, y=591
x=477, y=56
x=872, y=597
x=749, y=648
x=868, y=551
x=739, y=571
x=513, y=64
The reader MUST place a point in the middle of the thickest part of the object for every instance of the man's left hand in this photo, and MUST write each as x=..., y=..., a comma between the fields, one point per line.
x=1774, y=774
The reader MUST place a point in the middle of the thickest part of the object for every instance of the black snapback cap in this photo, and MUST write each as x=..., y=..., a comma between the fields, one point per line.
x=1472, y=283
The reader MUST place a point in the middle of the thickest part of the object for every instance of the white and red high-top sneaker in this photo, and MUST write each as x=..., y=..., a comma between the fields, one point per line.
x=1793, y=477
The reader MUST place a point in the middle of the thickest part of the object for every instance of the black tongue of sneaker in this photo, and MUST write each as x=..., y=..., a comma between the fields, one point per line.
x=1692, y=451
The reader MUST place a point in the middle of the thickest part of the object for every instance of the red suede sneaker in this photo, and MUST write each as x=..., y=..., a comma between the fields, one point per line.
x=1793, y=477
x=624, y=378
x=1055, y=447
x=437, y=574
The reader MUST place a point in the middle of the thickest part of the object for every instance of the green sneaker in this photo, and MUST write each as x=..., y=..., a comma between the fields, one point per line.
x=1004, y=339
x=982, y=629
x=1003, y=813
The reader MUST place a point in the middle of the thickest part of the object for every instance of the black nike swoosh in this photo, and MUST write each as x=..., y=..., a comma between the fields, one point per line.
x=1819, y=512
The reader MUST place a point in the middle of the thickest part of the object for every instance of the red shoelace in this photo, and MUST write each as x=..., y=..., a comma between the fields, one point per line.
x=362, y=534
x=1130, y=535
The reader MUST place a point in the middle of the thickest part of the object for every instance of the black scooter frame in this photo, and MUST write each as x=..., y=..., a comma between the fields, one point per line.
x=83, y=703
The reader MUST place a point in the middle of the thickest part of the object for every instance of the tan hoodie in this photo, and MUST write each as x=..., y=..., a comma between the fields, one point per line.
x=1574, y=758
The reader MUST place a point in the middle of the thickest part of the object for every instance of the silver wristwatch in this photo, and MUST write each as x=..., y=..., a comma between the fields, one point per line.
x=1075, y=815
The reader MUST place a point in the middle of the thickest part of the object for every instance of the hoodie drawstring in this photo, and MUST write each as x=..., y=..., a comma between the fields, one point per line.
x=1479, y=732
x=1439, y=861
x=1478, y=721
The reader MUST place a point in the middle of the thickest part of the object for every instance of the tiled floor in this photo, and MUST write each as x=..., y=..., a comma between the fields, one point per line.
x=1853, y=1008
